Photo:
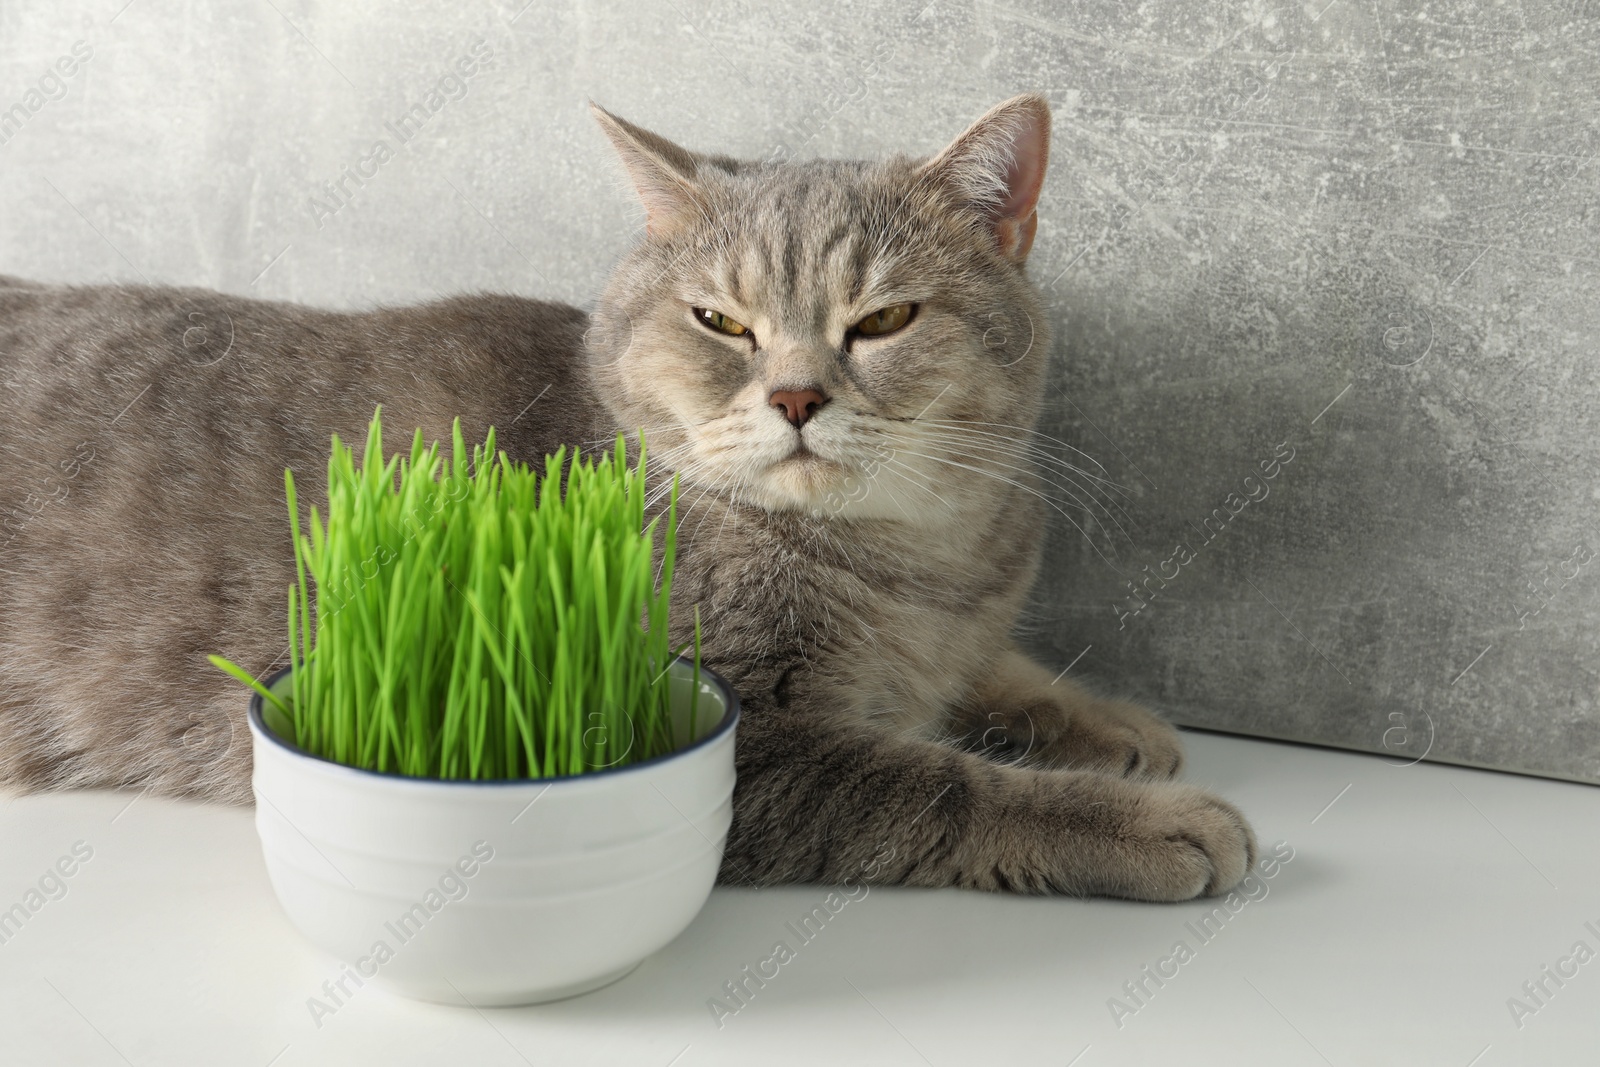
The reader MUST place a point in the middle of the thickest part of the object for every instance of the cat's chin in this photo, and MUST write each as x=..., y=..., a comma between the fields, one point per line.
x=805, y=477
x=802, y=482
x=808, y=484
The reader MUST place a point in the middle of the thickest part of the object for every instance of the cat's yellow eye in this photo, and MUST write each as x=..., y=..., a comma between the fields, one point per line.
x=720, y=322
x=885, y=320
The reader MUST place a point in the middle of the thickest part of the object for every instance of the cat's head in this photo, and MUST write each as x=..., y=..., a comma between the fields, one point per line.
x=854, y=339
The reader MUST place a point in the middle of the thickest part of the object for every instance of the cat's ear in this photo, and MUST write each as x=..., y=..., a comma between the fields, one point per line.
x=997, y=168
x=662, y=173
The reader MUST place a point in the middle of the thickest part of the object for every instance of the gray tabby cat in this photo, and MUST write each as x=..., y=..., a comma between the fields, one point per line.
x=842, y=360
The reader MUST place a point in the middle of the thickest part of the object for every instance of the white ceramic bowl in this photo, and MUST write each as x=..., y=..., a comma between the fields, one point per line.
x=497, y=893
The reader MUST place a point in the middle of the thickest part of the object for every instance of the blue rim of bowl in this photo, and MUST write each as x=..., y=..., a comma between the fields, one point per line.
x=725, y=725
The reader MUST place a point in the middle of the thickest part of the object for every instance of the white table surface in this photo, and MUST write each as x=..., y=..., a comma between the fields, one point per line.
x=1415, y=906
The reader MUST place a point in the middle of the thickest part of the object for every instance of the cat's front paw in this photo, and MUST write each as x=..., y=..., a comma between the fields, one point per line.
x=1082, y=733
x=1185, y=843
x=1116, y=737
x=1023, y=715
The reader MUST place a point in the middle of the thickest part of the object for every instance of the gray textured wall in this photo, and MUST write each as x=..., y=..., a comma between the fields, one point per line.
x=1363, y=232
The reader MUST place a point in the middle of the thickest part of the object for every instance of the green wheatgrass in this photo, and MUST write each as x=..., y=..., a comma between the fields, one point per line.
x=480, y=620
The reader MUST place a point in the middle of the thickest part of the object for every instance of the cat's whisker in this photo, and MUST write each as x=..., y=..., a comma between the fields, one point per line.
x=685, y=473
x=706, y=492
x=685, y=506
x=1027, y=489
x=1021, y=451
x=1028, y=455
x=1029, y=430
x=1070, y=487
x=1087, y=511
x=894, y=498
x=911, y=476
x=686, y=479
x=1031, y=447
x=916, y=478
x=687, y=501
x=1015, y=428
x=727, y=512
x=694, y=538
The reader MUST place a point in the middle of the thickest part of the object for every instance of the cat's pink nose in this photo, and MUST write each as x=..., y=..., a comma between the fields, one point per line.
x=797, y=405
